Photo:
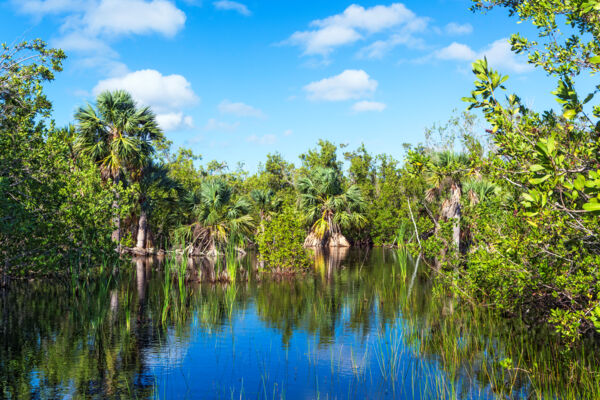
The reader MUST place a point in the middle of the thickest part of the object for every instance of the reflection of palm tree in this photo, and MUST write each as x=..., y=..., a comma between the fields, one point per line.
x=329, y=260
x=219, y=219
x=329, y=208
x=117, y=136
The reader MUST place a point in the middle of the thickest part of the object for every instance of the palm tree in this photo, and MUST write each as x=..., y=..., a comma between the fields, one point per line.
x=266, y=203
x=153, y=177
x=329, y=208
x=117, y=136
x=219, y=219
x=445, y=175
x=481, y=191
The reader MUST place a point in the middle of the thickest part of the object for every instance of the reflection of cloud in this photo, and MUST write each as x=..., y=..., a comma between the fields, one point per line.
x=170, y=354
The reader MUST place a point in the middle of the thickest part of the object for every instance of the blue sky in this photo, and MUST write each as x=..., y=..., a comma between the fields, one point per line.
x=234, y=81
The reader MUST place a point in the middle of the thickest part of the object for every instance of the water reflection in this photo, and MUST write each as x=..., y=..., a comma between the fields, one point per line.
x=364, y=325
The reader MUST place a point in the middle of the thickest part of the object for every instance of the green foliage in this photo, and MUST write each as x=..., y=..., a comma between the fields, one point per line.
x=281, y=242
x=326, y=206
x=543, y=258
x=218, y=218
x=323, y=157
x=54, y=211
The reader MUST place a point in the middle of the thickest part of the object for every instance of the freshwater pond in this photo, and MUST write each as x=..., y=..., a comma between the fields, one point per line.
x=362, y=324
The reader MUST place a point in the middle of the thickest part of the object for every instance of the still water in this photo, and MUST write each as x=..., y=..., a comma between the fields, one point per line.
x=362, y=324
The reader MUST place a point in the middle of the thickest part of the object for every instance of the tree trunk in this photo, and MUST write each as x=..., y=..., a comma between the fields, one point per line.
x=455, y=213
x=116, y=235
x=142, y=230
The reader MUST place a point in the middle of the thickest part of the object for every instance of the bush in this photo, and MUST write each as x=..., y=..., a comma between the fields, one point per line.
x=281, y=242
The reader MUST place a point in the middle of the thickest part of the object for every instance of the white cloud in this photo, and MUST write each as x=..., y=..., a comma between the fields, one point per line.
x=43, y=7
x=456, y=51
x=151, y=88
x=458, y=29
x=232, y=5
x=379, y=48
x=354, y=24
x=216, y=125
x=264, y=139
x=498, y=54
x=174, y=121
x=88, y=26
x=350, y=84
x=76, y=41
x=108, y=66
x=110, y=17
x=239, y=109
x=165, y=94
x=363, y=106
x=288, y=132
x=117, y=17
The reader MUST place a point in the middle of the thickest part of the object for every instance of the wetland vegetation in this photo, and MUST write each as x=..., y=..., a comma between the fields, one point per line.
x=132, y=269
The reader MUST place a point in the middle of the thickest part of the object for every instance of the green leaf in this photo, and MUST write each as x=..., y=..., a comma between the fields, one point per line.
x=537, y=168
x=570, y=114
x=537, y=181
x=591, y=206
x=551, y=145
x=579, y=182
x=595, y=60
x=528, y=197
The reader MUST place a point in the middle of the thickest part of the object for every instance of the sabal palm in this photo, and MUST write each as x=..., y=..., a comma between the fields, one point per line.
x=481, y=190
x=219, y=219
x=327, y=206
x=153, y=177
x=265, y=202
x=445, y=175
x=117, y=136
x=446, y=169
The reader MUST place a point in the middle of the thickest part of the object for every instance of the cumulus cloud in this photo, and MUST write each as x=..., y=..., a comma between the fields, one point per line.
x=88, y=26
x=264, y=139
x=354, y=24
x=349, y=85
x=117, y=17
x=233, y=6
x=44, y=7
x=215, y=125
x=456, y=51
x=498, y=54
x=458, y=29
x=174, y=121
x=363, y=106
x=82, y=43
x=167, y=95
x=239, y=109
x=109, y=17
x=379, y=48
